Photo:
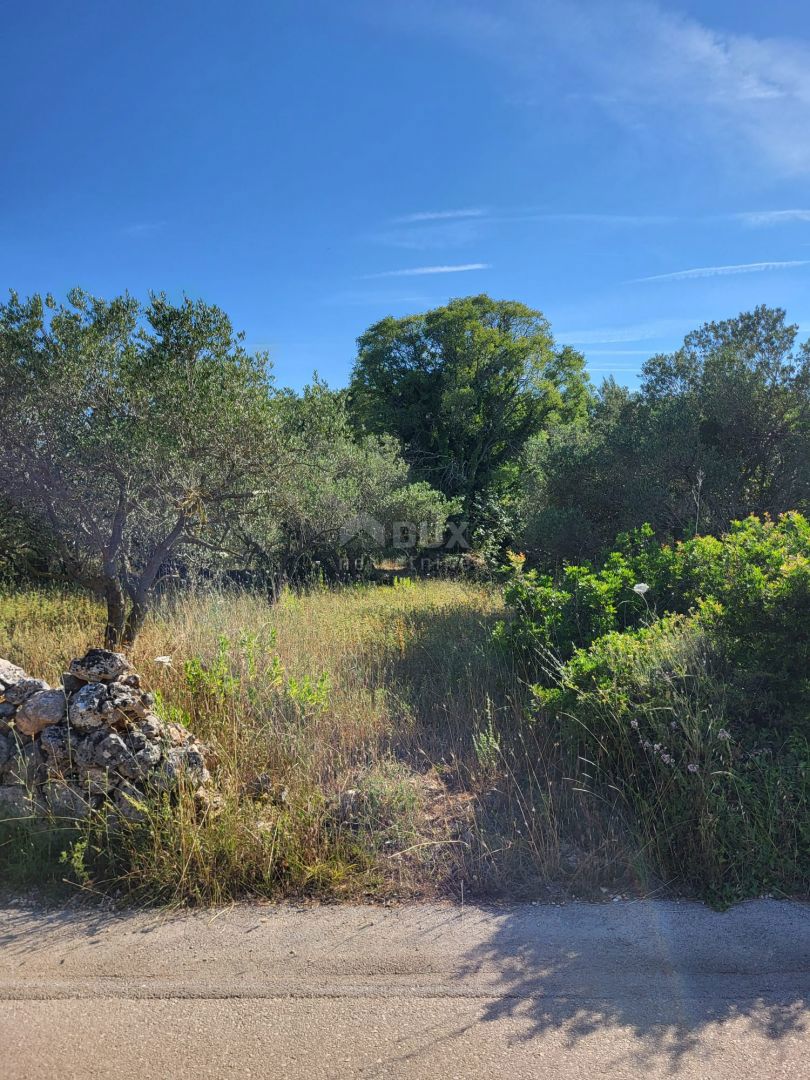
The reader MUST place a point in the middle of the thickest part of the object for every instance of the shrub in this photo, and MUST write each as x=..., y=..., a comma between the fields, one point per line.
x=752, y=587
x=677, y=677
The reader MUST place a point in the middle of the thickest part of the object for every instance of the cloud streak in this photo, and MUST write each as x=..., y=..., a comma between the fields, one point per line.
x=417, y=271
x=142, y=228
x=374, y=298
x=446, y=229
x=586, y=218
x=616, y=335
x=460, y=228
x=773, y=217
x=438, y=215
x=719, y=271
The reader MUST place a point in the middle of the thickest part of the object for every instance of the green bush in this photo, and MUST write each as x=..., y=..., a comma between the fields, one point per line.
x=688, y=700
x=751, y=585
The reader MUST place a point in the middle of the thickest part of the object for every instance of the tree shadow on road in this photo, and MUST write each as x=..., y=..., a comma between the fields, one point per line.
x=670, y=975
x=41, y=924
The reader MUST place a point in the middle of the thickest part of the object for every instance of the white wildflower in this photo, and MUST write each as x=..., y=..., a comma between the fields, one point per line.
x=691, y=767
x=641, y=587
x=723, y=734
x=634, y=725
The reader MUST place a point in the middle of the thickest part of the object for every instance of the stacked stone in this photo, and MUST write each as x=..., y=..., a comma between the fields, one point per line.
x=94, y=741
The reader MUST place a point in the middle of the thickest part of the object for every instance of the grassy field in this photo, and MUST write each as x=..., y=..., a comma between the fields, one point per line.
x=371, y=742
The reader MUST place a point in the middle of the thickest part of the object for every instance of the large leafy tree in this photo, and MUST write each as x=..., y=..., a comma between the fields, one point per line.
x=130, y=432
x=463, y=387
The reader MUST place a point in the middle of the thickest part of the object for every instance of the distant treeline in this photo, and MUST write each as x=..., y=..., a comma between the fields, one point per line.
x=141, y=442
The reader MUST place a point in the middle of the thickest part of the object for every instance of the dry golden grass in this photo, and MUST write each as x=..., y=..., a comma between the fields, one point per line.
x=370, y=741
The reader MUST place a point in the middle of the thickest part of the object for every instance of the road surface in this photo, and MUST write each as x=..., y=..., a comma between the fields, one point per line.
x=627, y=989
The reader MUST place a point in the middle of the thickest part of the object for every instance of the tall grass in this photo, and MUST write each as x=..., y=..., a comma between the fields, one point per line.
x=376, y=741
x=370, y=741
x=712, y=802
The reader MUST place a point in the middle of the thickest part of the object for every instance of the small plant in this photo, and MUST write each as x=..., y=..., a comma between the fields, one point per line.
x=215, y=678
x=170, y=713
x=487, y=744
x=75, y=857
x=310, y=695
x=402, y=584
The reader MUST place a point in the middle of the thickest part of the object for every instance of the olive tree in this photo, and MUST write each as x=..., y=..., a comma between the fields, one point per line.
x=130, y=432
x=341, y=496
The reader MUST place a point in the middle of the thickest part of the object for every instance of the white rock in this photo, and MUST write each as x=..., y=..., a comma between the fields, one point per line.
x=16, y=694
x=9, y=673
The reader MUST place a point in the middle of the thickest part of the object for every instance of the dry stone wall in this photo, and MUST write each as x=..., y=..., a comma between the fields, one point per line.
x=93, y=742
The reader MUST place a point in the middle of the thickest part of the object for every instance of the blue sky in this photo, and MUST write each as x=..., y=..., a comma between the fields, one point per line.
x=631, y=169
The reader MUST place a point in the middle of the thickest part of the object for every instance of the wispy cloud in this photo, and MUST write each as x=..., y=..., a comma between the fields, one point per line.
x=586, y=218
x=773, y=217
x=143, y=228
x=608, y=335
x=453, y=229
x=416, y=271
x=438, y=215
x=459, y=228
x=436, y=235
x=718, y=271
x=650, y=69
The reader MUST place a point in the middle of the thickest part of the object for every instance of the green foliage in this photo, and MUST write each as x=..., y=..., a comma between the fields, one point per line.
x=130, y=432
x=336, y=479
x=227, y=676
x=26, y=549
x=463, y=387
x=718, y=430
x=689, y=696
x=752, y=587
x=215, y=677
x=310, y=695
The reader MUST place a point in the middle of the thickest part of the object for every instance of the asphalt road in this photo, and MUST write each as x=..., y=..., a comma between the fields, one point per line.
x=625, y=989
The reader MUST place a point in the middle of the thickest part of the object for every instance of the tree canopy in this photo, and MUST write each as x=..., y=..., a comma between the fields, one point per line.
x=130, y=431
x=717, y=430
x=341, y=496
x=464, y=387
